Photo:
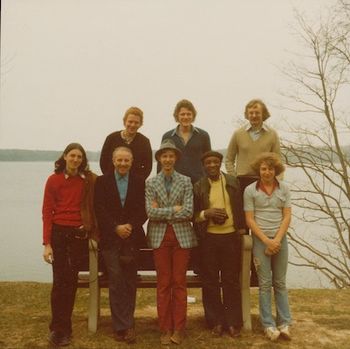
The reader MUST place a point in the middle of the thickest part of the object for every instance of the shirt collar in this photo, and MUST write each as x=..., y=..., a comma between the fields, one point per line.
x=80, y=174
x=161, y=173
x=175, y=131
x=264, y=127
x=119, y=177
x=219, y=179
x=260, y=186
x=168, y=179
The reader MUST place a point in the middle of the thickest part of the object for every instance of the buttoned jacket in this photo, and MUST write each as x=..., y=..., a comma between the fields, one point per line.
x=180, y=194
x=201, y=202
x=110, y=212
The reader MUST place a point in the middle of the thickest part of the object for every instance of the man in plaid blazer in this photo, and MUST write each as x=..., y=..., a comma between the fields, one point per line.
x=169, y=206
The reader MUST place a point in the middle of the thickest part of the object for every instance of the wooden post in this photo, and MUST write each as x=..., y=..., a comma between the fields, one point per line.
x=94, y=289
x=247, y=244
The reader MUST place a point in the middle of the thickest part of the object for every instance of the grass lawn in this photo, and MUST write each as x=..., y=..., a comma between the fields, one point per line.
x=321, y=320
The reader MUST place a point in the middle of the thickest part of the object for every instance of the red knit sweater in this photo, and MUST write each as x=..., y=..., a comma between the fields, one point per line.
x=61, y=204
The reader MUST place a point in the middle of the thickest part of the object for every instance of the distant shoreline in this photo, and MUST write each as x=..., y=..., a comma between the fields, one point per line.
x=26, y=155
x=38, y=155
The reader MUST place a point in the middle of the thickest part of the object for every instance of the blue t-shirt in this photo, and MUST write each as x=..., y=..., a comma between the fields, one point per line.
x=267, y=208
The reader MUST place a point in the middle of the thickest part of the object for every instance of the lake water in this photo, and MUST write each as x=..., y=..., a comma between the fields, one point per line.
x=21, y=192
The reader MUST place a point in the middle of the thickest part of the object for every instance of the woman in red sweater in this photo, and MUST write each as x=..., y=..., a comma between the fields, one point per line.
x=68, y=221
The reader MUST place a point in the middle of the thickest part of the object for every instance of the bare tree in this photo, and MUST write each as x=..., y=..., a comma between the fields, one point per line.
x=322, y=89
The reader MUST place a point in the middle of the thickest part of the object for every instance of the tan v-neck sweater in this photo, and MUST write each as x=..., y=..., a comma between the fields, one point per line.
x=242, y=150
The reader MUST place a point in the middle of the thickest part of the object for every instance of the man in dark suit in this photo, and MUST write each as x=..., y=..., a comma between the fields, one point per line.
x=120, y=212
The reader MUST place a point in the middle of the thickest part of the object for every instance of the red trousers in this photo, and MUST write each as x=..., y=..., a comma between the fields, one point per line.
x=171, y=265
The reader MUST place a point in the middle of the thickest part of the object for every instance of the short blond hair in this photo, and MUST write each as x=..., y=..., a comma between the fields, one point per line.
x=135, y=111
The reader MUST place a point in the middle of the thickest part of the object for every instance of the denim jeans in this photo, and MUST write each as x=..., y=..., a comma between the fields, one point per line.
x=272, y=272
x=122, y=287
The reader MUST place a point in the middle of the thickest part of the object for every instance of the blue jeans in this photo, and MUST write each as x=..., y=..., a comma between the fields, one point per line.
x=122, y=288
x=272, y=272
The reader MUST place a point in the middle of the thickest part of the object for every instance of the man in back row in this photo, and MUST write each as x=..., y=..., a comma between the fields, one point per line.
x=250, y=141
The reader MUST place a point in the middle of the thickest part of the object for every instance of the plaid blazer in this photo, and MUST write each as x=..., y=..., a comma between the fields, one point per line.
x=181, y=194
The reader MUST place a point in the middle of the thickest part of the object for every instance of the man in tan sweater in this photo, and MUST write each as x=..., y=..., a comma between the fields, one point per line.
x=251, y=140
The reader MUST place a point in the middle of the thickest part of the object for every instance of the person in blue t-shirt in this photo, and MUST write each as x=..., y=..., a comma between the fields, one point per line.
x=267, y=206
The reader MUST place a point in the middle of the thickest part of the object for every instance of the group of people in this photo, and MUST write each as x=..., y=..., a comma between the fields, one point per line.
x=190, y=205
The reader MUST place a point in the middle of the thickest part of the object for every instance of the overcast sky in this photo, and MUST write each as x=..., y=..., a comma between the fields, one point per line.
x=70, y=68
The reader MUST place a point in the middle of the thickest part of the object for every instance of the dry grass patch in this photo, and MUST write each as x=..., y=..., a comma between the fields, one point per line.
x=321, y=320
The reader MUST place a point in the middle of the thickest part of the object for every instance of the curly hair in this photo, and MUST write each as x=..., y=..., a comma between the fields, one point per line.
x=60, y=163
x=135, y=111
x=271, y=159
x=184, y=103
x=253, y=103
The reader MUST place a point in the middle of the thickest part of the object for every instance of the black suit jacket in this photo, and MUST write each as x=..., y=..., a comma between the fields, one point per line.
x=110, y=212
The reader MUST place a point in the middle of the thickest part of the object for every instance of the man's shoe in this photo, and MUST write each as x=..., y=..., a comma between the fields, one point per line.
x=55, y=338
x=177, y=337
x=58, y=339
x=234, y=332
x=285, y=332
x=165, y=338
x=130, y=336
x=217, y=331
x=65, y=340
x=119, y=336
x=272, y=333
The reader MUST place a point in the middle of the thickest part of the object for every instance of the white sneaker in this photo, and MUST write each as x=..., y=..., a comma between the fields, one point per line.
x=285, y=332
x=272, y=333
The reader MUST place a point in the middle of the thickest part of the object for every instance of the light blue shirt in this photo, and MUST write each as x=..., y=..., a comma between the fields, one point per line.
x=256, y=134
x=122, y=184
x=168, y=182
x=267, y=208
